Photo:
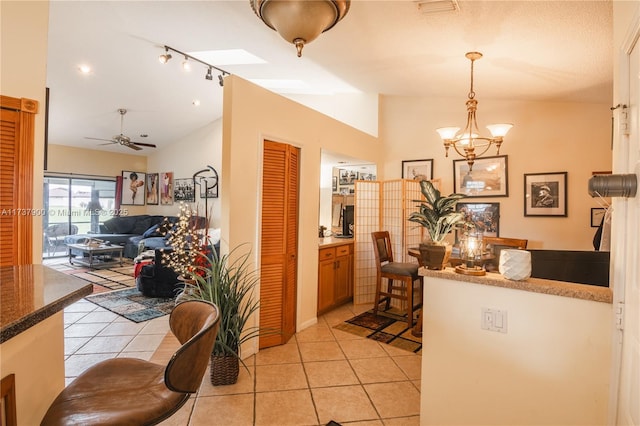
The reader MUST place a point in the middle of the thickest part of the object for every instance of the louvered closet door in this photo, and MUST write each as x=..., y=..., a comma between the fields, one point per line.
x=279, y=242
x=17, y=119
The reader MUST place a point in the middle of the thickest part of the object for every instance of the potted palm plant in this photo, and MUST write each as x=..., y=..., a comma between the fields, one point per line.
x=437, y=214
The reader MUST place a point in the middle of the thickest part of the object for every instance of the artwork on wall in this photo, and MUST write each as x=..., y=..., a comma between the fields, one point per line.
x=184, y=190
x=166, y=188
x=485, y=217
x=597, y=214
x=347, y=177
x=417, y=169
x=545, y=194
x=334, y=184
x=152, y=188
x=133, y=192
x=366, y=176
x=487, y=179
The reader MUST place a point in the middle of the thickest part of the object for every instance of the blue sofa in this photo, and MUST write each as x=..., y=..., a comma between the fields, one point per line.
x=133, y=232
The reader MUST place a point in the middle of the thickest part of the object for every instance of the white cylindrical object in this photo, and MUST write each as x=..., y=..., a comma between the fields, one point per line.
x=515, y=264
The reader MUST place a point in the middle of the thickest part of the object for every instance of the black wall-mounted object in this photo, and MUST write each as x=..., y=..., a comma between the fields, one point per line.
x=574, y=266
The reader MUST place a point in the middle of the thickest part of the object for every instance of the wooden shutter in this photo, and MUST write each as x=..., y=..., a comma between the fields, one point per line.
x=17, y=121
x=278, y=270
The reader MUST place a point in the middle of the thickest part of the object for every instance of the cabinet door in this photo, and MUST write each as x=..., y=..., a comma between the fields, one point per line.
x=343, y=281
x=326, y=273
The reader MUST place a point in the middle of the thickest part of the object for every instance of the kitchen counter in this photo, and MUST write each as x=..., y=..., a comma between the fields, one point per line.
x=32, y=293
x=536, y=285
x=333, y=241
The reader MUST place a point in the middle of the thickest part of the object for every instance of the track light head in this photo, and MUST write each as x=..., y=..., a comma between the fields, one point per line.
x=209, y=76
x=220, y=80
x=164, y=58
x=186, y=65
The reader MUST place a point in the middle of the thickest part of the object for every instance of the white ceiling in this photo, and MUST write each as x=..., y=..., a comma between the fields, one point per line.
x=533, y=50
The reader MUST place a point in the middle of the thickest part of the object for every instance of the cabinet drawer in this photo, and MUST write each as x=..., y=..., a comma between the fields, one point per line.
x=327, y=253
x=343, y=250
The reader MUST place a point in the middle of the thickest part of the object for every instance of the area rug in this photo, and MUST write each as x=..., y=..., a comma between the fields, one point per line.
x=104, y=279
x=388, y=327
x=133, y=305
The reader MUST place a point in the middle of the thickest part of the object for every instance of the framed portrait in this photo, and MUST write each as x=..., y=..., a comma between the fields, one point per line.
x=347, y=177
x=545, y=194
x=334, y=184
x=366, y=176
x=133, y=191
x=152, y=188
x=486, y=217
x=184, y=190
x=166, y=188
x=487, y=178
x=208, y=189
x=597, y=214
x=417, y=169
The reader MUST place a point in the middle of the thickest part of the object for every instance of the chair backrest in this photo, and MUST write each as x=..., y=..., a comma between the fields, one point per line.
x=382, y=247
x=195, y=324
x=495, y=245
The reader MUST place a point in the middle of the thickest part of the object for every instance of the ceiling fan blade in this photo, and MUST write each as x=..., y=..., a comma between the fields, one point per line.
x=108, y=143
x=132, y=146
x=100, y=139
x=150, y=145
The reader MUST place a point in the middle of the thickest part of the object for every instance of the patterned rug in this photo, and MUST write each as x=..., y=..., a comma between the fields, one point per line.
x=133, y=305
x=104, y=279
x=388, y=327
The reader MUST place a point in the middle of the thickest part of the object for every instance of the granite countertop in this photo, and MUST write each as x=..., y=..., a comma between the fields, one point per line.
x=31, y=293
x=536, y=285
x=333, y=241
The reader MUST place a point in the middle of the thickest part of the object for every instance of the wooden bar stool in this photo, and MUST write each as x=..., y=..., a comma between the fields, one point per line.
x=406, y=274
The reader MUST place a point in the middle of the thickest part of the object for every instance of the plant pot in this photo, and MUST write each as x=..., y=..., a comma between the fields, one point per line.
x=435, y=255
x=224, y=369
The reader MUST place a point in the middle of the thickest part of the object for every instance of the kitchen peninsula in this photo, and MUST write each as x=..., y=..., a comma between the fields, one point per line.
x=32, y=299
x=514, y=352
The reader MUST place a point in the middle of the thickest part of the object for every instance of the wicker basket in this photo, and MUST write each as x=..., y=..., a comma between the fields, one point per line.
x=224, y=369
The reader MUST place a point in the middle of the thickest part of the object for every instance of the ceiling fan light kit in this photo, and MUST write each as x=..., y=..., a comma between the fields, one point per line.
x=466, y=142
x=122, y=139
x=300, y=21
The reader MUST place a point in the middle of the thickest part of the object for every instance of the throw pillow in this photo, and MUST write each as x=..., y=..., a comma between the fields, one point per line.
x=152, y=232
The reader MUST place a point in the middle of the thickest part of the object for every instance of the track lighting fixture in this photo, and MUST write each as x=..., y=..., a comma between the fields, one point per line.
x=220, y=80
x=164, y=58
x=188, y=59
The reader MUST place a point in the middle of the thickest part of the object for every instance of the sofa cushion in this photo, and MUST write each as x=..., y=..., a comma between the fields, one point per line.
x=141, y=226
x=153, y=231
x=123, y=225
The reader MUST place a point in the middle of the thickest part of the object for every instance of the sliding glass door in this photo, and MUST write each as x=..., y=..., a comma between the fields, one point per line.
x=74, y=205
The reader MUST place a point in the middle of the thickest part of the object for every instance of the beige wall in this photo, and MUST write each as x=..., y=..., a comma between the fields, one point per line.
x=546, y=137
x=193, y=153
x=66, y=159
x=549, y=368
x=252, y=114
x=23, y=68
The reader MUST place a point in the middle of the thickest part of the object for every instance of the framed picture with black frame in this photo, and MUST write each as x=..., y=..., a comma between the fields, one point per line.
x=485, y=217
x=487, y=178
x=184, y=190
x=597, y=214
x=545, y=194
x=417, y=169
x=133, y=188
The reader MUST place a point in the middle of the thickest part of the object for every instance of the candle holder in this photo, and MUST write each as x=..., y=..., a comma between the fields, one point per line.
x=470, y=253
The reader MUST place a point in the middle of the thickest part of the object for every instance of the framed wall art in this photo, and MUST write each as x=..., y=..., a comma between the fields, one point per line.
x=597, y=214
x=184, y=190
x=166, y=188
x=152, y=188
x=133, y=192
x=334, y=184
x=347, y=177
x=485, y=216
x=488, y=177
x=417, y=169
x=545, y=194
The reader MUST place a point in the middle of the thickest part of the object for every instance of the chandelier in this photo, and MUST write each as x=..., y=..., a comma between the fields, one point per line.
x=466, y=142
x=300, y=21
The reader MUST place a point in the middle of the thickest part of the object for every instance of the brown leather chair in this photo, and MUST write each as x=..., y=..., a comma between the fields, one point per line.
x=130, y=391
x=404, y=273
x=494, y=245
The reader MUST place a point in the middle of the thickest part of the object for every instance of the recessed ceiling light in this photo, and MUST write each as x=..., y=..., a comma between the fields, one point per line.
x=196, y=102
x=227, y=57
x=84, y=69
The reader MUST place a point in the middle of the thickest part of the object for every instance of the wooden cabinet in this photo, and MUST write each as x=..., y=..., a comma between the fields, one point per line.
x=335, y=276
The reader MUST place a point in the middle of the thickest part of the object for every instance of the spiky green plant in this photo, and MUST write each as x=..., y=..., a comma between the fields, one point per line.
x=438, y=214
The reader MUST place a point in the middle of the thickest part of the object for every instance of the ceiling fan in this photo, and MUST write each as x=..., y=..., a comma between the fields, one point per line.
x=122, y=139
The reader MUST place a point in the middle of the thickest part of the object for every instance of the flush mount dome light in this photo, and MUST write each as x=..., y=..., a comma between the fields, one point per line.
x=300, y=21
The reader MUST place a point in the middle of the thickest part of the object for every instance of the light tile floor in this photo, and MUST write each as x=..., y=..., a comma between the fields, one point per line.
x=321, y=374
